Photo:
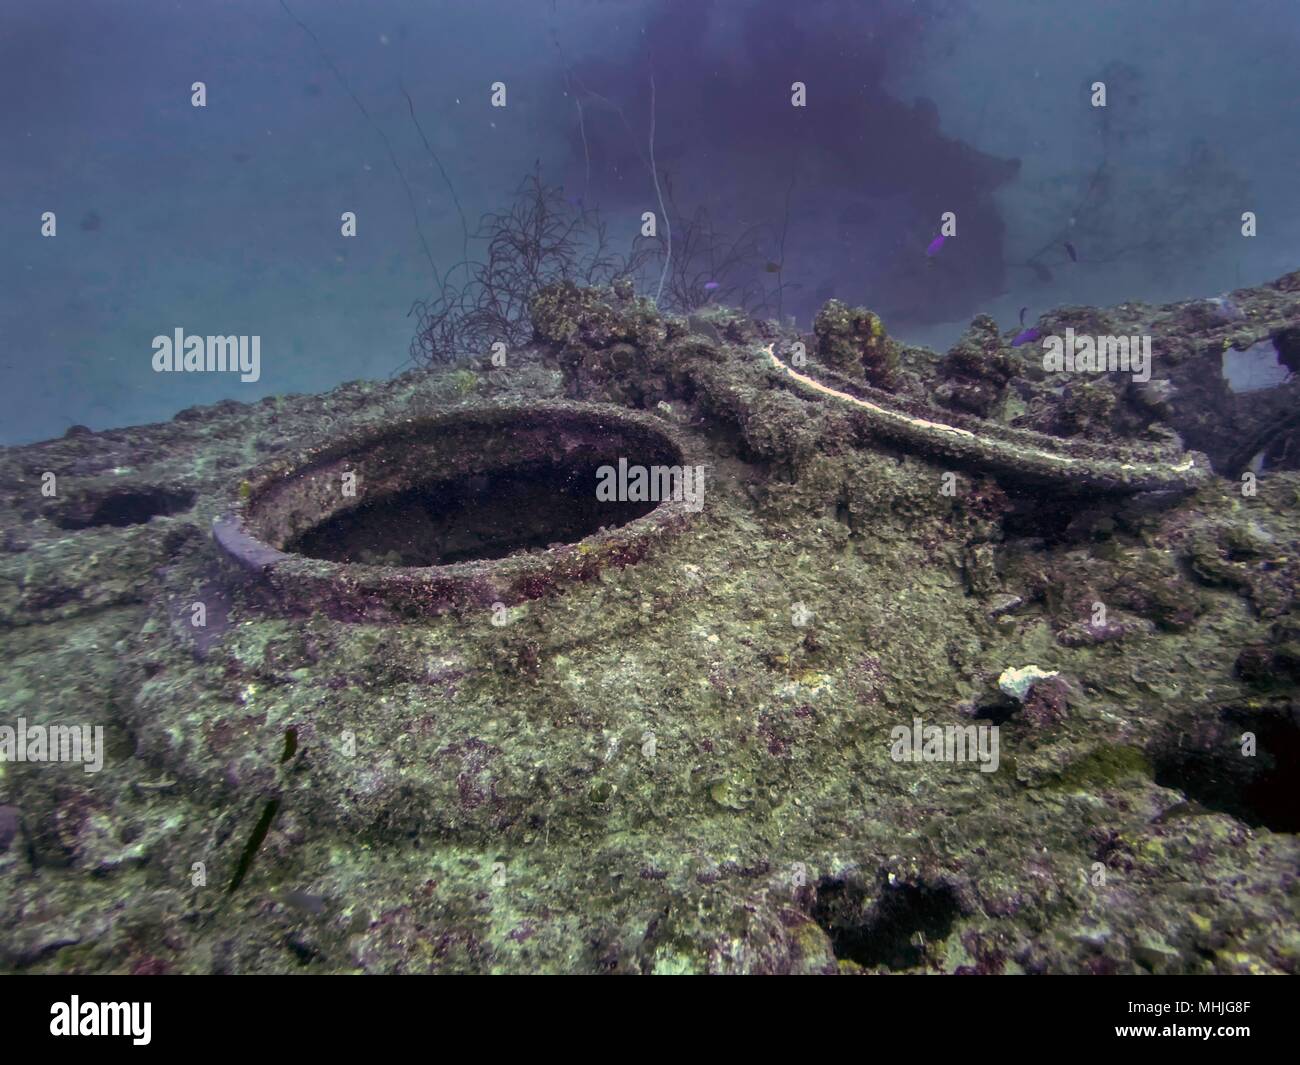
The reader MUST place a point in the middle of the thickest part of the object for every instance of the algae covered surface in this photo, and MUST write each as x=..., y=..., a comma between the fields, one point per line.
x=681, y=745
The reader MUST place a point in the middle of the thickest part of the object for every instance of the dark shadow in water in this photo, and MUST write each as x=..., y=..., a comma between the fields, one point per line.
x=730, y=140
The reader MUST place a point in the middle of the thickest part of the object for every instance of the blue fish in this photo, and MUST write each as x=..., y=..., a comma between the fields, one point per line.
x=935, y=245
x=1026, y=337
x=709, y=286
x=1069, y=250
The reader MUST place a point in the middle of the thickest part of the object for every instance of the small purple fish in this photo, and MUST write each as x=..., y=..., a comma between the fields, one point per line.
x=935, y=245
x=709, y=286
x=1028, y=336
x=1069, y=250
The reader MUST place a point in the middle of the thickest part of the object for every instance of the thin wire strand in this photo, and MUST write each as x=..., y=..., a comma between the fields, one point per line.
x=410, y=196
x=663, y=211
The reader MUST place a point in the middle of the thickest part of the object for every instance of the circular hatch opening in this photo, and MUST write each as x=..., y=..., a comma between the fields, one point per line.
x=480, y=505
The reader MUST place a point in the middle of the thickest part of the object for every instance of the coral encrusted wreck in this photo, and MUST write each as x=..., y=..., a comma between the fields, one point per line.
x=384, y=687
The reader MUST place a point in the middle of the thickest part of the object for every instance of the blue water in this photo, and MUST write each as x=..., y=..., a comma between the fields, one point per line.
x=225, y=219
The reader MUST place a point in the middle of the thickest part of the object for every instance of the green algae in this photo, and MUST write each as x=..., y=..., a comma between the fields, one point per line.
x=1102, y=768
x=483, y=798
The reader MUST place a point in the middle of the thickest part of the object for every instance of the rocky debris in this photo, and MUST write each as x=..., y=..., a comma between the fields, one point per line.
x=1016, y=682
x=678, y=761
x=853, y=341
x=976, y=370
